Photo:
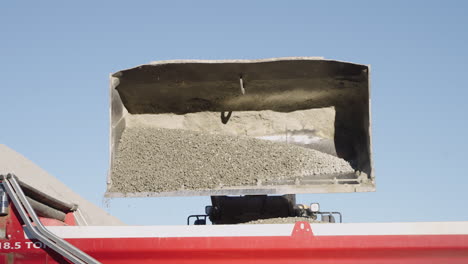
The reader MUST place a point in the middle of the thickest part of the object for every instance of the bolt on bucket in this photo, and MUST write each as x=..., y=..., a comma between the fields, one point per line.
x=232, y=127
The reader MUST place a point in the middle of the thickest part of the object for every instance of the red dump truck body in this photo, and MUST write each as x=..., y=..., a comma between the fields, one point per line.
x=438, y=242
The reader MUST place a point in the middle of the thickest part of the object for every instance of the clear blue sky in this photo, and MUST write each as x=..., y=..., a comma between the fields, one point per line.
x=56, y=56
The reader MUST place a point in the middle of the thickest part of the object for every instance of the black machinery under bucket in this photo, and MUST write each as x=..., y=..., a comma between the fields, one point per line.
x=174, y=108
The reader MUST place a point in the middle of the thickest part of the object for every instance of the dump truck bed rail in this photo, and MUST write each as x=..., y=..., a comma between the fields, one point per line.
x=431, y=242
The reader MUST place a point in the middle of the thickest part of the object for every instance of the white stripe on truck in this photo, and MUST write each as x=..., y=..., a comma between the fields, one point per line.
x=354, y=229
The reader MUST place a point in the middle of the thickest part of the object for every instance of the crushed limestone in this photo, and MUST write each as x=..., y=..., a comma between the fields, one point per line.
x=282, y=220
x=158, y=160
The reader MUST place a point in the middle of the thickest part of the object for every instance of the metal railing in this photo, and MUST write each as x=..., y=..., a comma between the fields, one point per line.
x=36, y=229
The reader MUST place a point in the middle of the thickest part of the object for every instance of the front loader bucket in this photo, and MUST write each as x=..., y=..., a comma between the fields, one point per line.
x=232, y=127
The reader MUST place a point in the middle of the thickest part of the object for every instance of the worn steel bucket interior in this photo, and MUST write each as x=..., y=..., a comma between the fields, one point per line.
x=285, y=88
